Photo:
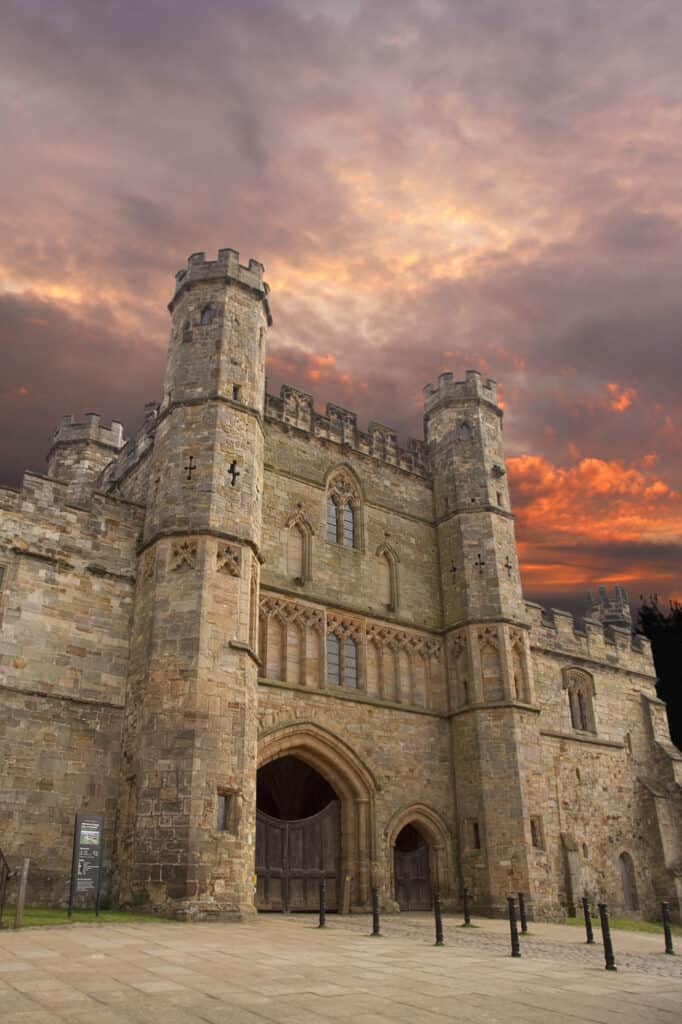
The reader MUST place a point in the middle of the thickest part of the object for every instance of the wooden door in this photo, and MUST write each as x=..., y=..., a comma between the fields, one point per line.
x=412, y=878
x=292, y=857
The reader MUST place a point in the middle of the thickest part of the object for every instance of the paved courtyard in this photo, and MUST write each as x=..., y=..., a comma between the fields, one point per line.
x=285, y=970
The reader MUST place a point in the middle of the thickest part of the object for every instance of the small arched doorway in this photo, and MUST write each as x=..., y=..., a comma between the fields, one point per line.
x=411, y=860
x=297, y=837
x=627, y=877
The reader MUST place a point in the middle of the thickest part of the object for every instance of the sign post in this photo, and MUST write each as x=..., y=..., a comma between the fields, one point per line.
x=86, y=865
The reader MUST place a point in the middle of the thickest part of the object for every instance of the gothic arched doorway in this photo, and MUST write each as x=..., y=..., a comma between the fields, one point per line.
x=412, y=871
x=627, y=877
x=297, y=837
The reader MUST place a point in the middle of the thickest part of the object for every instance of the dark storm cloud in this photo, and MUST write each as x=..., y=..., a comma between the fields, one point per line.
x=432, y=186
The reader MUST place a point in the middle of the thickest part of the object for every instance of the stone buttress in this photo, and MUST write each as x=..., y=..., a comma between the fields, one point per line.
x=499, y=785
x=187, y=812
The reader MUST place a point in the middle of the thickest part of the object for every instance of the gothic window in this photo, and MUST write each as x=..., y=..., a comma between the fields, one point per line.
x=299, y=550
x=206, y=315
x=295, y=552
x=579, y=688
x=490, y=668
x=186, y=331
x=333, y=659
x=520, y=681
x=464, y=431
x=387, y=578
x=331, y=521
x=343, y=511
x=350, y=663
x=348, y=527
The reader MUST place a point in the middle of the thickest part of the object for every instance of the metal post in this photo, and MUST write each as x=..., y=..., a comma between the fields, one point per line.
x=21, y=895
x=323, y=902
x=467, y=908
x=606, y=937
x=522, y=914
x=588, y=921
x=665, y=911
x=438, y=918
x=376, y=933
x=515, y=947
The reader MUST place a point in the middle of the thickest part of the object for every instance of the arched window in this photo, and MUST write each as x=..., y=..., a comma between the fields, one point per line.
x=579, y=688
x=186, y=332
x=295, y=552
x=490, y=669
x=627, y=877
x=342, y=659
x=387, y=577
x=343, y=510
x=299, y=547
x=206, y=314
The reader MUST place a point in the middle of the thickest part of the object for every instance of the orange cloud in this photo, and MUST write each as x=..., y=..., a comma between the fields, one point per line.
x=621, y=400
x=597, y=500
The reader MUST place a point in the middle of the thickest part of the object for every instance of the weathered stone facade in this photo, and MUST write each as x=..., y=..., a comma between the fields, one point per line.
x=248, y=580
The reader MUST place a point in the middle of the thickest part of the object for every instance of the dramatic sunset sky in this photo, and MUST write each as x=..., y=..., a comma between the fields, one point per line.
x=436, y=185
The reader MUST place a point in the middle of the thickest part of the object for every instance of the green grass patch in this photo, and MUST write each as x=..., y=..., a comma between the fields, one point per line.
x=45, y=916
x=627, y=924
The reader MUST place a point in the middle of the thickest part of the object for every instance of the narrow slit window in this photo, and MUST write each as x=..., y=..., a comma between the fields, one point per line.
x=333, y=660
x=348, y=527
x=536, y=833
x=206, y=315
x=476, y=835
x=331, y=521
x=236, y=393
x=223, y=816
x=350, y=663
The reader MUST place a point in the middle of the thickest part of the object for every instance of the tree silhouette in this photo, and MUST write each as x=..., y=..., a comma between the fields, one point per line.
x=664, y=629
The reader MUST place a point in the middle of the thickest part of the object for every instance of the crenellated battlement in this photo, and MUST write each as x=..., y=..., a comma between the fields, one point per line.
x=448, y=390
x=226, y=267
x=340, y=426
x=88, y=430
x=588, y=637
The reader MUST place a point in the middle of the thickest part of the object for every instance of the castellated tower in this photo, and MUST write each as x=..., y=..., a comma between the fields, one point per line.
x=499, y=787
x=187, y=811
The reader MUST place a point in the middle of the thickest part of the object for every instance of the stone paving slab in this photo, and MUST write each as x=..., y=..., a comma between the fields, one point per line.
x=285, y=970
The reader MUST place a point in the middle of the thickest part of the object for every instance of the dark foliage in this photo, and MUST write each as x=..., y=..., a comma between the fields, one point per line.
x=664, y=629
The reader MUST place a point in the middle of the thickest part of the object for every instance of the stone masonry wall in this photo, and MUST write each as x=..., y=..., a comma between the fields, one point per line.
x=65, y=612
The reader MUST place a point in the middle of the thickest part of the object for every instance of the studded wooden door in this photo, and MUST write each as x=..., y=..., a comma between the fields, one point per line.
x=412, y=878
x=292, y=857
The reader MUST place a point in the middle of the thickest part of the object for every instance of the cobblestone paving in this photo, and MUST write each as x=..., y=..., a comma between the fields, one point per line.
x=493, y=936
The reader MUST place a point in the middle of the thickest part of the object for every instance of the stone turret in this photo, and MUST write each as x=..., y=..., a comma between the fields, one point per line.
x=190, y=738
x=496, y=749
x=612, y=611
x=79, y=453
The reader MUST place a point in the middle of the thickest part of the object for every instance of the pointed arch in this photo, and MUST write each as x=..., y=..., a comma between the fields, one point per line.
x=389, y=557
x=351, y=779
x=437, y=834
x=579, y=686
x=302, y=540
x=344, y=508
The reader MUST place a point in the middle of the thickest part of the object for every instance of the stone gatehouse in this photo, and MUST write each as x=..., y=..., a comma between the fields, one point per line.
x=269, y=646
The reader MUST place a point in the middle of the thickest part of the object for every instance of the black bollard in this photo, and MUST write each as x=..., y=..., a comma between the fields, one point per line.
x=522, y=914
x=515, y=947
x=606, y=937
x=323, y=903
x=467, y=908
x=375, y=914
x=665, y=911
x=588, y=921
x=438, y=918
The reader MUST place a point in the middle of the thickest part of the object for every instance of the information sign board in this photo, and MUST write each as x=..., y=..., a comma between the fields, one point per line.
x=86, y=865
